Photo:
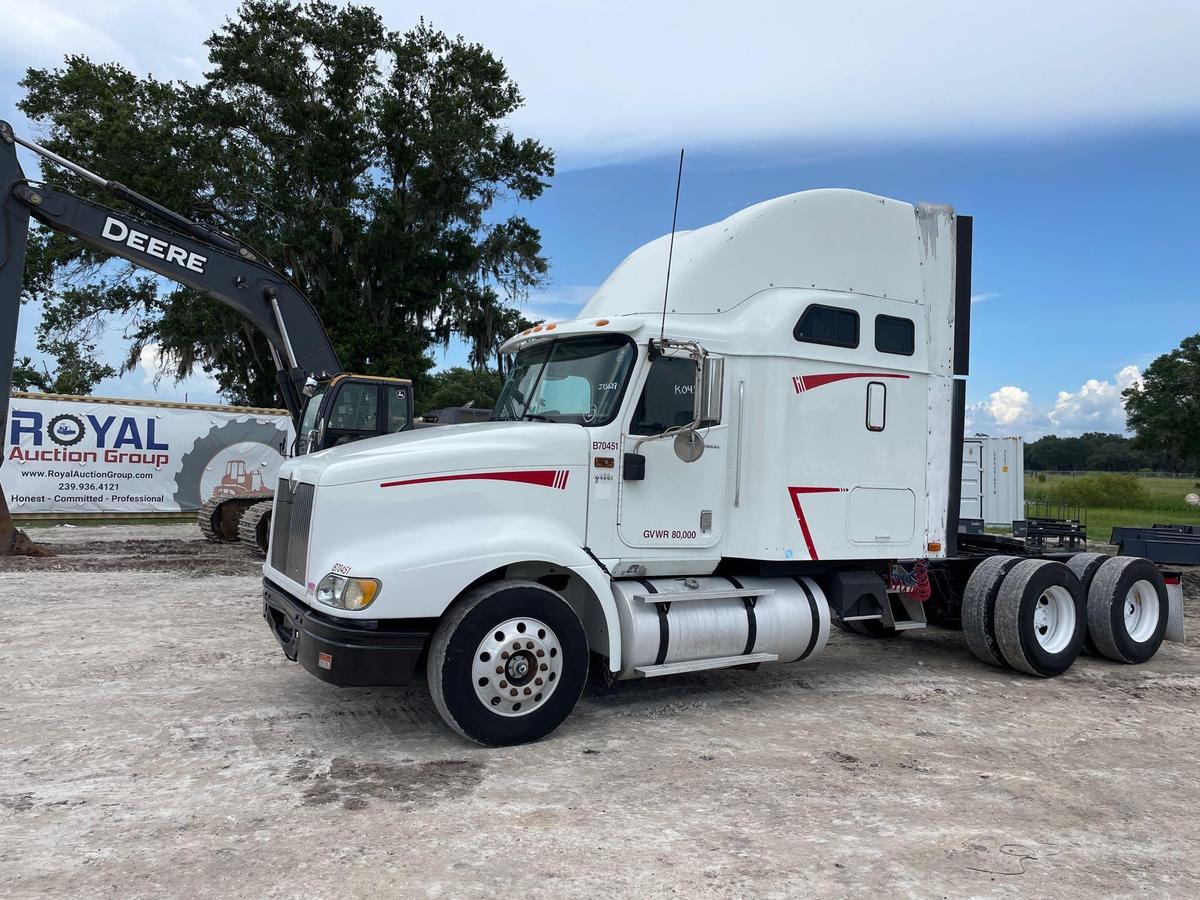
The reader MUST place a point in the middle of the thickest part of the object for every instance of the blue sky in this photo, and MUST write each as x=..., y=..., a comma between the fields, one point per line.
x=1069, y=133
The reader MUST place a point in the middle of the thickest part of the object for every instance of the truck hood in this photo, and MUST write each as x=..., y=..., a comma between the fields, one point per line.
x=444, y=448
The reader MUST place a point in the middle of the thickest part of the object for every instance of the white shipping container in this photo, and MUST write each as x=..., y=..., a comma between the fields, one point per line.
x=993, y=479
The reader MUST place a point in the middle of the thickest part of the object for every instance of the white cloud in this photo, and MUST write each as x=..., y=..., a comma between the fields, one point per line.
x=158, y=369
x=983, y=298
x=610, y=80
x=1096, y=405
x=558, y=304
x=1008, y=406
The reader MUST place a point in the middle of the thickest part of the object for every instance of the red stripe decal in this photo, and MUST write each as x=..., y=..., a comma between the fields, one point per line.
x=795, y=493
x=808, y=382
x=543, y=477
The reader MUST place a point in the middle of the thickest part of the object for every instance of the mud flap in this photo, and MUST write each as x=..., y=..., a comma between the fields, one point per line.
x=1174, y=630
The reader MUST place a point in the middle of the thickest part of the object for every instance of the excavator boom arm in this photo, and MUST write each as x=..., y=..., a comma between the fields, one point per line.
x=219, y=267
x=173, y=247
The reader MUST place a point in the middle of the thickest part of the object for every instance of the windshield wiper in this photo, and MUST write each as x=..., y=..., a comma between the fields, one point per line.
x=537, y=416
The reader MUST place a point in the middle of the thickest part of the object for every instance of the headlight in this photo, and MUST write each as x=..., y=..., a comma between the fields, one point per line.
x=347, y=593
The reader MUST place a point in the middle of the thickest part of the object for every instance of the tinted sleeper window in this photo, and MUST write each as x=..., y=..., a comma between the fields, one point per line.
x=894, y=335
x=828, y=325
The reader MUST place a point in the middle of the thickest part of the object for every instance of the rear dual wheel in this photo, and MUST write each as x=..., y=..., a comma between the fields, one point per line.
x=1040, y=617
x=1085, y=566
x=1127, y=609
x=1028, y=614
x=1034, y=615
x=979, y=607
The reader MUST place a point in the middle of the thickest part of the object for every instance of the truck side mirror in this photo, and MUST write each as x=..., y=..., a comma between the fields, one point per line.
x=709, y=390
x=633, y=467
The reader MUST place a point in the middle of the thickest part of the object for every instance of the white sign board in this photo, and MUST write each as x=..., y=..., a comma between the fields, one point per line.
x=81, y=456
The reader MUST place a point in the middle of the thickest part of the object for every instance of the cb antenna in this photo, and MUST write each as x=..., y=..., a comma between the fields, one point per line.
x=662, y=330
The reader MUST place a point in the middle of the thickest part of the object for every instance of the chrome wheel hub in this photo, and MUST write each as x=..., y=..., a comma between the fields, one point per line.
x=517, y=667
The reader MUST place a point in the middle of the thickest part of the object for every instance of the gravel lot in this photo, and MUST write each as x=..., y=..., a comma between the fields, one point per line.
x=156, y=741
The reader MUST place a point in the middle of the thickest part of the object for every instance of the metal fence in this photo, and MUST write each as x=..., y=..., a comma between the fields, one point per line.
x=1081, y=473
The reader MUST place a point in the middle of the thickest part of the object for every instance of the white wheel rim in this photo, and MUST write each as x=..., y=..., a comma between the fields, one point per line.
x=517, y=667
x=1054, y=619
x=1141, y=611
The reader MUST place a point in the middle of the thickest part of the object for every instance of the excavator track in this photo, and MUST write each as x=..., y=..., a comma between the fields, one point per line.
x=254, y=528
x=219, y=517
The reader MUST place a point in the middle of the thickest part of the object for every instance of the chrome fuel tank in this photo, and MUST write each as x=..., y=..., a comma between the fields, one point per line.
x=669, y=623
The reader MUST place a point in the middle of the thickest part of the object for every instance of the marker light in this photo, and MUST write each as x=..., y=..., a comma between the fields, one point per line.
x=551, y=326
x=347, y=593
x=600, y=323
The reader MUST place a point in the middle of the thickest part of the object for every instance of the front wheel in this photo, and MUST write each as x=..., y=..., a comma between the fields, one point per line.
x=508, y=663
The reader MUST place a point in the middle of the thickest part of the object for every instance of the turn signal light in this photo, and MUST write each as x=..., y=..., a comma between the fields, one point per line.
x=600, y=323
x=934, y=546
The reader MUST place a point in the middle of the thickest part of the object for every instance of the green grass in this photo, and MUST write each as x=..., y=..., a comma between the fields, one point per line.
x=1163, y=503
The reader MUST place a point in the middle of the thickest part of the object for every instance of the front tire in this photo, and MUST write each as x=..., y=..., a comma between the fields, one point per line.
x=508, y=663
x=1040, y=617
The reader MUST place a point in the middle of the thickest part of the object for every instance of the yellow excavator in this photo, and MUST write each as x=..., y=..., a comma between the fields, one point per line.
x=327, y=406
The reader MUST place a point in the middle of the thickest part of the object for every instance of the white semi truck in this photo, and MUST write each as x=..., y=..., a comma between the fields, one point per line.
x=705, y=481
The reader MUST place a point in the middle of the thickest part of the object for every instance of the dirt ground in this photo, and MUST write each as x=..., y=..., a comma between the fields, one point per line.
x=156, y=741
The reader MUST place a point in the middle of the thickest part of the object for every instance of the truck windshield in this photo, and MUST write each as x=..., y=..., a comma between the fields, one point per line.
x=578, y=380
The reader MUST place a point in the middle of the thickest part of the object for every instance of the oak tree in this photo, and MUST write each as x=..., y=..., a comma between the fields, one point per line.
x=374, y=167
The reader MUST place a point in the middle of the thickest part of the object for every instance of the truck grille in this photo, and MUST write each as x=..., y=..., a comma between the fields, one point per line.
x=289, y=529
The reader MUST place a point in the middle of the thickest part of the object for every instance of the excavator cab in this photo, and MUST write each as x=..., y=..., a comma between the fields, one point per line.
x=349, y=408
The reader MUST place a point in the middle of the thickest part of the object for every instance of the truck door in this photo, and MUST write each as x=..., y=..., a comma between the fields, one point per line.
x=679, y=503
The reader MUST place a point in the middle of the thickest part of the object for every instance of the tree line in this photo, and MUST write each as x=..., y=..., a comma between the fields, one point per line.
x=1099, y=452
x=375, y=168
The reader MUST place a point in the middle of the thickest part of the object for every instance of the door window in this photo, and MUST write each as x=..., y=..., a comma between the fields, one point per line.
x=668, y=399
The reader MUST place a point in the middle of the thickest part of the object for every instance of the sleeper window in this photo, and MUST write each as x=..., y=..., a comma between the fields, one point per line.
x=894, y=335
x=828, y=325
